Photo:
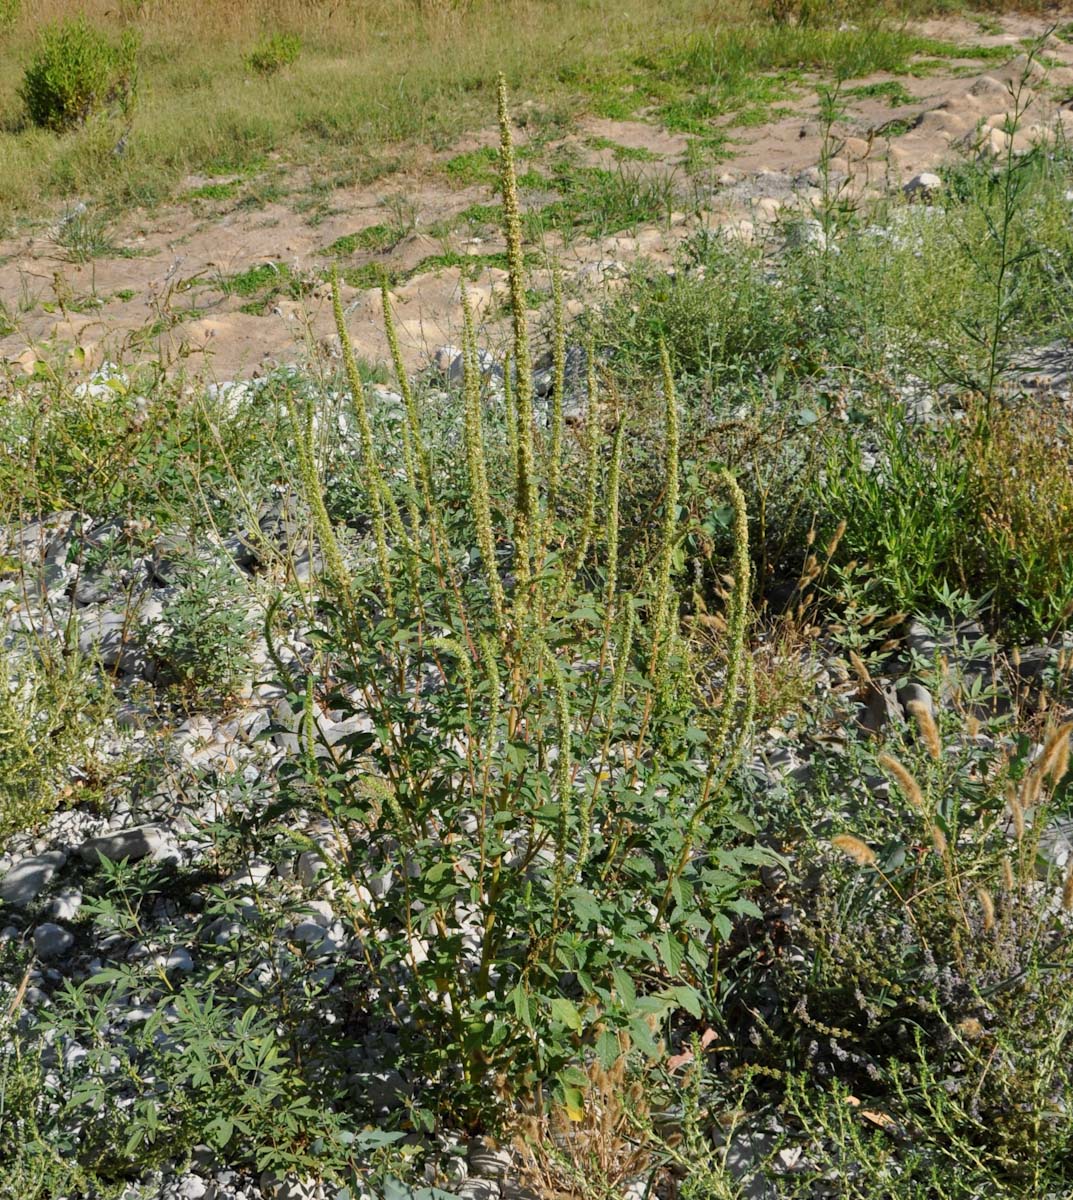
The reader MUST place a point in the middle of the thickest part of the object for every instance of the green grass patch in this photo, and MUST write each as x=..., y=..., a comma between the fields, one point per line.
x=474, y=166
x=622, y=153
x=374, y=239
x=894, y=92
x=214, y=191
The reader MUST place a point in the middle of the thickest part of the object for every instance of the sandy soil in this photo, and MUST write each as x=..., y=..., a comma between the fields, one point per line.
x=163, y=297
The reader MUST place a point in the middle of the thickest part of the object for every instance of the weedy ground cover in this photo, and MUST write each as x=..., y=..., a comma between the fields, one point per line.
x=566, y=904
x=158, y=91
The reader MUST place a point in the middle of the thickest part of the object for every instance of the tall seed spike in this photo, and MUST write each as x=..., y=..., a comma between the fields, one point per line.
x=479, y=497
x=614, y=476
x=558, y=387
x=664, y=614
x=564, y=786
x=525, y=500
x=379, y=496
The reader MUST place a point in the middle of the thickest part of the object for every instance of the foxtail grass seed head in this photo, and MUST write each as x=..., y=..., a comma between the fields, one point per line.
x=929, y=731
x=1017, y=812
x=1067, y=888
x=1008, y=881
x=863, y=674
x=1054, y=761
x=907, y=783
x=836, y=538
x=856, y=849
x=938, y=840
x=987, y=908
x=1031, y=786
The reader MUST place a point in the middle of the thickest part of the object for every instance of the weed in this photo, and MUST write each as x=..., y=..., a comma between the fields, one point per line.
x=76, y=72
x=599, y=201
x=201, y=641
x=83, y=236
x=214, y=191
x=50, y=711
x=474, y=166
x=374, y=239
x=891, y=90
x=274, y=53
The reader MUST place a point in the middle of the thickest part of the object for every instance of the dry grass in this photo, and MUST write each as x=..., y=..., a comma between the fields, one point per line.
x=372, y=80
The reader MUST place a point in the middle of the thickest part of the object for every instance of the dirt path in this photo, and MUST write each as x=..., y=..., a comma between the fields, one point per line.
x=224, y=288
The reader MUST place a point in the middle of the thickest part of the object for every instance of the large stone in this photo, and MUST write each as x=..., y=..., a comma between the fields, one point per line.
x=110, y=637
x=52, y=941
x=130, y=844
x=27, y=879
x=923, y=186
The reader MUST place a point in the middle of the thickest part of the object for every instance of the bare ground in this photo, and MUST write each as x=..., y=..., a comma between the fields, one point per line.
x=163, y=292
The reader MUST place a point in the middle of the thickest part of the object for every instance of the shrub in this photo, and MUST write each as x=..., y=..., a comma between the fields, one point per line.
x=542, y=755
x=202, y=640
x=75, y=72
x=1023, y=496
x=923, y=973
x=50, y=710
x=274, y=53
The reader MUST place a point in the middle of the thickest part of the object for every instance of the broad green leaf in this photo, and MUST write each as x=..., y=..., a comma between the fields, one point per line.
x=566, y=1014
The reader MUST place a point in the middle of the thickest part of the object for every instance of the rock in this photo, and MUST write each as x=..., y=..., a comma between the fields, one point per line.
x=309, y=933
x=806, y=232
x=66, y=904
x=880, y=707
x=28, y=878
x=918, y=693
x=51, y=941
x=320, y=912
x=180, y=959
x=129, y=844
x=110, y=638
x=287, y=1187
x=193, y=1187
x=449, y=363
x=310, y=869
x=477, y=1189
x=919, y=639
x=922, y=186
x=487, y=1162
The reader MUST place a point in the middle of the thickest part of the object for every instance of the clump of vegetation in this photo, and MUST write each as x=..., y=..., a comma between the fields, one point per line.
x=271, y=55
x=50, y=708
x=202, y=640
x=76, y=72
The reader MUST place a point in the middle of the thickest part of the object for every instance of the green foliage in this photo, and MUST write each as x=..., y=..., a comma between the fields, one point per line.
x=690, y=312
x=577, y=875
x=10, y=11
x=201, y=642
x=598, y=201
x=50, y=710
x=374, y=239
x=929, y=987
x=905, y=496
x=84, y=236
x=76, y=72
x=274, y=53
x=474, y=166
